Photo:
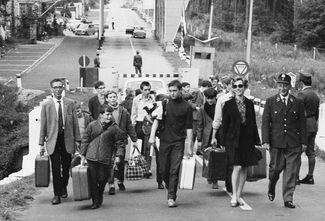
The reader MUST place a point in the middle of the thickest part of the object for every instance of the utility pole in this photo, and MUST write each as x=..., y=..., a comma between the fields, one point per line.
x=101, y=24
x=211, y=18
x=249, y=32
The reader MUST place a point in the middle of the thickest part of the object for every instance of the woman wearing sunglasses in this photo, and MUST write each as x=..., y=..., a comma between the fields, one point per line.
x=239, y=135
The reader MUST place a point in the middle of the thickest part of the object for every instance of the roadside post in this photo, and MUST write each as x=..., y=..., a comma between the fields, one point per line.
x=18, y=78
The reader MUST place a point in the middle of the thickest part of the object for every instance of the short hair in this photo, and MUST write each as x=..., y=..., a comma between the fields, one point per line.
x=184, y=84
x=56, y=80
x=210, y=93
x=138, y=52
x=176, y=83
x=244, y=80
x=144, y=84
x=206, y=83
x=103, y=108
x=97, y=84
x=111, y=92
x=227, y=79
x=161, y=97
x=137, y=92
x=129, y=91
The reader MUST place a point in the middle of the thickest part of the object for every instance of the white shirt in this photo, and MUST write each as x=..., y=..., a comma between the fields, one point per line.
x=286, y=98
x=56, y=103
x=217, y=120
x=137, y=112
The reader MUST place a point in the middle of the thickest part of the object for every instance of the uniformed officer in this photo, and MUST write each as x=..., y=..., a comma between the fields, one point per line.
x=311, y=103
x=284, y=135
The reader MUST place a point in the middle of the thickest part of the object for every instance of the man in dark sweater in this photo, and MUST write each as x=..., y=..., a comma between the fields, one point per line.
x=178, y=119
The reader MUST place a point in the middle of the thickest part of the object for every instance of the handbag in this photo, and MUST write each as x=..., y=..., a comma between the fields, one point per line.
x=136, y=167
x=161, y=123
x=141, y=160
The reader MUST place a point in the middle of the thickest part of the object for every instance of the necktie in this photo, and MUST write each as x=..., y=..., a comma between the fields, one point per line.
x=284, y=101
x=60, y=118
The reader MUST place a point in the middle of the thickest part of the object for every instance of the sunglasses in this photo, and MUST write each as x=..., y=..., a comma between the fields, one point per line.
x=239, y=86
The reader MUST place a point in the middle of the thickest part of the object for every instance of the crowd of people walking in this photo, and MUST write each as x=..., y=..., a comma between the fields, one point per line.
x=218, y=115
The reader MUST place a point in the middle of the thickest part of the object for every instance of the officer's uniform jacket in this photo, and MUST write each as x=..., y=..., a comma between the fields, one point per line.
x=311, y=103
x=284, y=126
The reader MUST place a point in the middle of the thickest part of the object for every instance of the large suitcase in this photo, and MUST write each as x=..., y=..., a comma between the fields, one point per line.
x=80, y=183
x=258, y=172
x=42, y=171
x=187, y=173
x=215, y=164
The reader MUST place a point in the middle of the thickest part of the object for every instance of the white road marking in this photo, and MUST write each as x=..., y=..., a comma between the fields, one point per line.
x=245, y=206
x=133, y=50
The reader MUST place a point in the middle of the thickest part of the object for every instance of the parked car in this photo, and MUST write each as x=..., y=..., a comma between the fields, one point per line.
x=139, y=32
x=86, y=29
x=129, y=29
x=73, y=24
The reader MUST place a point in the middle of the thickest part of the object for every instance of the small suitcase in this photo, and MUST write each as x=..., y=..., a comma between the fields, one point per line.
x=42, y=171
x=80, y=183
x=187, y=173
x=215, y=164
x=258, y=172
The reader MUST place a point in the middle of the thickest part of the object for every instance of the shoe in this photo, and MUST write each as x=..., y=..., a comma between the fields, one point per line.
x=228, y=187
x=289, y=204
x=241, y=202
x=56, y=200
x=94, y=206
x=171, y=203
x=160, y=186
x=121, y=187
x=215, y=185
x=64, y=193
x=100, y=200
x=147, y=175
x=234, y=203
x=297, y=182
x=271, y=196
x=309, y=179
x=111, y=191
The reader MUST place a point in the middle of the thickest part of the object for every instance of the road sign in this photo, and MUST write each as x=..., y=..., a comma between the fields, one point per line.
x=84, y=61
x=293, y=79
x=240, y=67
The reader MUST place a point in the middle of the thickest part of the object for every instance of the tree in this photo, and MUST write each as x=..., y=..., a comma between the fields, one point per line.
x=310, y=24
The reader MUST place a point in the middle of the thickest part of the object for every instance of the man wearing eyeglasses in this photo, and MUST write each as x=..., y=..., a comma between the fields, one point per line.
x=97, y=100
x=60, y=131
x=284, y=135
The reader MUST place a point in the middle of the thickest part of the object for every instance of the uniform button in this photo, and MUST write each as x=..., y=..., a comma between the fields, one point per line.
x=285, y=131
x=285, y=125
x=285, y=119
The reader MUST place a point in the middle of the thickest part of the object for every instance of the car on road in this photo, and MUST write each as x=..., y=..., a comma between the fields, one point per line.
x=86, y=29
x=73, y=24
x=139, y=32
x=129, y=29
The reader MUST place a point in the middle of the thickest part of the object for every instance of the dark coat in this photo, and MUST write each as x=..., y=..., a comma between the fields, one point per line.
x=197, y=101
x=311, y=102
x=93, y=106
x=231, y=122
x=127, y=103
x=125, y=124
x=137, y=60
x=204, y=127
x=99, y=144
x=284, y=126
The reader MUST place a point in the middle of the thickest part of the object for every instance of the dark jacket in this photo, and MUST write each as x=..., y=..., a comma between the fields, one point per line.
x=204, y=127
x=137, y=60
x=127, y=103
x=99, y=144
x=231, y=122
x=125, y=124
x=311, y=103
x=93, y=106
x=197, y=101
x=284, y=126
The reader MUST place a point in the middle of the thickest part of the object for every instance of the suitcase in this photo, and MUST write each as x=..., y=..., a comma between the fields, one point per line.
x=187, y=173
x=215, y=164
x=42, y=171
x=258, y=172
x=80, y=183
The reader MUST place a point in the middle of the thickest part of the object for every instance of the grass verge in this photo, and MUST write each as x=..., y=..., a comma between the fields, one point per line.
x=15, y=197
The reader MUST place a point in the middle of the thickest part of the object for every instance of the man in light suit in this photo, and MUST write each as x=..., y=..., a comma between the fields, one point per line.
x=60, y=131
x=311, y=103
x=284, y=135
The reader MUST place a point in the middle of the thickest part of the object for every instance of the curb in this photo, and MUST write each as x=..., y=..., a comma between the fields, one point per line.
x=42, y=58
